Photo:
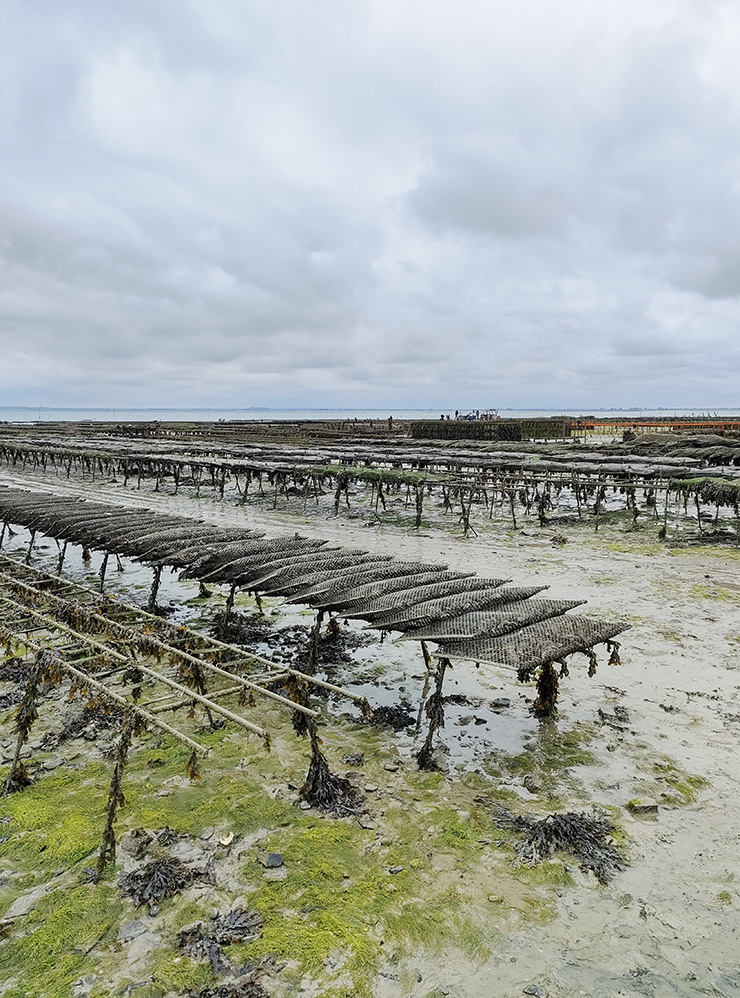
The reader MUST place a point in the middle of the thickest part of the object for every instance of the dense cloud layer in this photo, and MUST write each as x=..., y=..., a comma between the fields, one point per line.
x=211, y=202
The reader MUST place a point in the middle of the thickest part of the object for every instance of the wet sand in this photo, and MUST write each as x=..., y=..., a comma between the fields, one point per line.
x=668, y=924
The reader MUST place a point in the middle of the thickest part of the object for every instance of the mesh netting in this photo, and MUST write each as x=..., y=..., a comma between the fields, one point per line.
x=229, y=562
x=491, y=624
x=535, y=645
x=371, y=609
x=321, y=582
x=292, y=575
x=452, y=606
x=387, y=579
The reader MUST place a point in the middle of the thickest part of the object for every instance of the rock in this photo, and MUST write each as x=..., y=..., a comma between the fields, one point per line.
x=26, y=902
x=83, y=987
x=188, y=852
x=532, y=784
x=643, y=805
x=304, y=805
x=496, y=898
x=536, y=990
x=208, y=834
x=53, y=763
x=500, y=703
x=131, y=930
x=354, y=759
x=391, y=767
x=365, y=822
x=480, y=720
x=396, y=869
x=370, y=788
x=270, y=860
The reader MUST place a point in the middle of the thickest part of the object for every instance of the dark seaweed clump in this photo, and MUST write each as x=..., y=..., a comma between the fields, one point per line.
x=201, y=941
x=93, y=718
x=586, y=837
x=396, y=716
x=14, y=670
x=247, y=985
x=158, y=880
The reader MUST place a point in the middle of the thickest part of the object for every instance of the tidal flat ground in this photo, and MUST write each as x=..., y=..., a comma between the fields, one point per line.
x=421, y=894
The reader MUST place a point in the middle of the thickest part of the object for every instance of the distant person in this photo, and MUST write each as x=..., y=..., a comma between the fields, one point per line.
x=390, y=424
x=457, y=414
x=448, y=415
x=442, y=416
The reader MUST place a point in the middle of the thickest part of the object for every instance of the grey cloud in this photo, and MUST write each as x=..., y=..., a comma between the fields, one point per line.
x=337, y=204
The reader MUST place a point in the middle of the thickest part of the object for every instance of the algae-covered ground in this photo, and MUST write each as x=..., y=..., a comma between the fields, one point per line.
x=459, y=918
x=334, y=914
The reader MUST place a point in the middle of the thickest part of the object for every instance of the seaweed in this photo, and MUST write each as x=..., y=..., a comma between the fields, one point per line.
x=116, y=797
x=323, y=789
x=587, y=837
x=160, y=879
x=435, y=711
x=247, y=985
x=204, y=942
x=397, y=716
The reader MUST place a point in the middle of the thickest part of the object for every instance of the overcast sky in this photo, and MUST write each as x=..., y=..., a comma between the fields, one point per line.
x=382, y=203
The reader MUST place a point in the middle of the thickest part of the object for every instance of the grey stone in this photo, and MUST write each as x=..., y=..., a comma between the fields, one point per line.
x=535, y=990
x=304, y=805
x=54, y=762
x=26, y=902
x=391, y=767
x=131, y=930
x=280, y=874
x=396, y=869
x=270, y=860
x=643, y=805
x=84, y=986
x=500, y=703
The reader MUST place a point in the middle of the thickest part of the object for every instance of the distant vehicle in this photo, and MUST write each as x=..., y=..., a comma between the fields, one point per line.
x=478, y=414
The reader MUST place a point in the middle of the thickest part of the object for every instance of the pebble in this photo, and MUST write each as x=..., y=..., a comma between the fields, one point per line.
x=304, y=805
x=54, y=762
x=208, y=834
x=270, y=860
x=534, y=989
x=391, y=767
x=370, y=788
x=131, y=930
x=84, y=986
x=396, y=869
x=496, y=898
x=644, y=805
x=280, y=874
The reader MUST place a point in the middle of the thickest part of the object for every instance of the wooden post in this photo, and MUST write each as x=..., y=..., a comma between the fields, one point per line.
x=152, y=604
x=115, y=796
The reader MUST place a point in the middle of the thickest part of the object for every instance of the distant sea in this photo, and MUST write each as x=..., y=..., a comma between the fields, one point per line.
x=32, y=414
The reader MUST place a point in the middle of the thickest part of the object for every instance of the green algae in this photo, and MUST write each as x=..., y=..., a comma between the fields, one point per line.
x=57, y=821
x=339, y=902
x=58, y=937
x=707, y=592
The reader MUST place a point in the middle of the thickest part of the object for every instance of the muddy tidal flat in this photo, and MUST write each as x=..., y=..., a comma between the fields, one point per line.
x=423, y=891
